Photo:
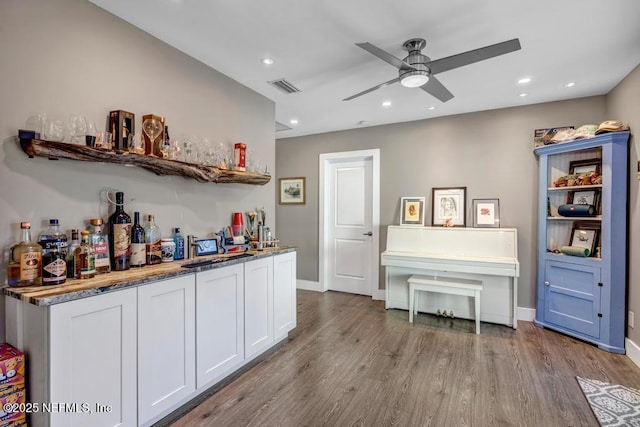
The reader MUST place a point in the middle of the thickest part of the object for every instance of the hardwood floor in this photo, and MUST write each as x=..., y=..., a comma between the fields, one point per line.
x=351, y=362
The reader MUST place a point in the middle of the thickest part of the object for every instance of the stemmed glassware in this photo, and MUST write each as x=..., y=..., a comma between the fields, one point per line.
x=77, y=126
x=152, y=128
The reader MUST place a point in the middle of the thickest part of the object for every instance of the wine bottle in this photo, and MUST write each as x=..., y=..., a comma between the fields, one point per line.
x=138, y=247
x=120, y=236
x=153, y=241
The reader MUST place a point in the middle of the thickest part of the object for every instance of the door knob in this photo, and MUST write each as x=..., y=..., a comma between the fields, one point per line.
x=546, y=283
x=367, y=234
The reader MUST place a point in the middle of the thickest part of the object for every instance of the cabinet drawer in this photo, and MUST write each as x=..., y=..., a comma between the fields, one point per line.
x=572, y=297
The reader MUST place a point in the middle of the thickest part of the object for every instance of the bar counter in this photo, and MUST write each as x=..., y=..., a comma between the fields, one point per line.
x=74, y=289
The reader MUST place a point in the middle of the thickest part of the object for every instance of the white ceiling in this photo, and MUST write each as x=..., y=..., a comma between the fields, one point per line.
x=594, y=43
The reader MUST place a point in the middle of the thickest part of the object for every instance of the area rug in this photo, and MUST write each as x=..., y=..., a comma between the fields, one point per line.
x=613, y=405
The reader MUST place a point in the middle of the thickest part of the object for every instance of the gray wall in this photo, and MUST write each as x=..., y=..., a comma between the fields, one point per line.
x=622, y=103
x=69, y=56
x=490, y=152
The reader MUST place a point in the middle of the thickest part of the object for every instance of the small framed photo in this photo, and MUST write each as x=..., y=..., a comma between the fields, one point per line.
x=585, y=166
x=584, y=197
x=412, y=211
x=486, y=213
x=292, y=191
x=585, y=234
x=449, y=206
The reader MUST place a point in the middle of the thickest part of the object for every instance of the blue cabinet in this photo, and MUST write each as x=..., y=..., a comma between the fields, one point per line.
x=584, y=297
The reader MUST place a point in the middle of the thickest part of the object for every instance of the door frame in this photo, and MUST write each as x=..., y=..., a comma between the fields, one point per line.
x=325, y=161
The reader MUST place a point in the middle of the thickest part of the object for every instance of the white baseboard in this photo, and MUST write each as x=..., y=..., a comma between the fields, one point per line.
x=633, y=351
x=526, y=314
x=308, y=285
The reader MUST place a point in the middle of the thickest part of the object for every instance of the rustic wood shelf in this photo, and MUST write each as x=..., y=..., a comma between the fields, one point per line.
x=159, y=166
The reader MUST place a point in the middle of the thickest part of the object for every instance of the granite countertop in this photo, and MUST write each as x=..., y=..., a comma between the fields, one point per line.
x=76, y=288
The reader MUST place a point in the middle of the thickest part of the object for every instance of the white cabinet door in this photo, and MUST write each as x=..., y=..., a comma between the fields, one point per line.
x=219, y=323
x=258, y=306
x=166, y=345
x=93, y=360
x=284, y=294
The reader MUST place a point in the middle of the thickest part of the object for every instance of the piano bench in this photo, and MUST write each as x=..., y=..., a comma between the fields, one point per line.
x=444, y=285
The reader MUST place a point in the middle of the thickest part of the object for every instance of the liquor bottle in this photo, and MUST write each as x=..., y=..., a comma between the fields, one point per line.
x=99, y=240
x=73, y=269
x=138, y=246
x=179, y=241
x=54, y=248
x=120, y=236
x=25, y=263
x=153, y=241
x=166, y=143
x=85, y=257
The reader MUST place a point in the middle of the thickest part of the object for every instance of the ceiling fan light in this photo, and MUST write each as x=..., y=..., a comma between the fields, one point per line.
x=414, y=79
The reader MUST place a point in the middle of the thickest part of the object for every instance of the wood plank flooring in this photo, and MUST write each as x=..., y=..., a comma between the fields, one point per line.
x=352, y=363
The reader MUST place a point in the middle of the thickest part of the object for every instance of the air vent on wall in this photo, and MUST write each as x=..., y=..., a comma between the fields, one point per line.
x=280, y=127
x=284, y=86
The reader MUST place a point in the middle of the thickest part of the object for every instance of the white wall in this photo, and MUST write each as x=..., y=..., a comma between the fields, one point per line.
x=69, y=56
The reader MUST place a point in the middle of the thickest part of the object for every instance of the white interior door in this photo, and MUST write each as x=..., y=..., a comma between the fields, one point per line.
x=349, y=235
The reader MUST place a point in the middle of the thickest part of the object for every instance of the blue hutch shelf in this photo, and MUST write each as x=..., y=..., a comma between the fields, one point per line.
x=584, y=297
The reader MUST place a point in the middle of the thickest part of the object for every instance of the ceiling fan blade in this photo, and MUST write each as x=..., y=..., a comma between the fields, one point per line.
x=371, y=89
x=385, y=56
x=466, y=58
x=437, y=89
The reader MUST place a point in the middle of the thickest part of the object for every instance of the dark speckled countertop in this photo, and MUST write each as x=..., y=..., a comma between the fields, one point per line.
x=76, y=289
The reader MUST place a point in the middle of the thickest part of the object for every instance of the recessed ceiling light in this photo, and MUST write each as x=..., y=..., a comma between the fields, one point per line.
x=386, y=104
x=267, y=61
x=570, y=84
x=523, y=94
x=293, y=121
x=431, y=107
x=524, y=80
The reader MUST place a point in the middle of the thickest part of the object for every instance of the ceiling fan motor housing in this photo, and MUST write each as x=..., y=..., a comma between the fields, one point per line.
x=416, y=59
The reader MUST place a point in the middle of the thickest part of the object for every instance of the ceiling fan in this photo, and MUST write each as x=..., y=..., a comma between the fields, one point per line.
x=418, y=70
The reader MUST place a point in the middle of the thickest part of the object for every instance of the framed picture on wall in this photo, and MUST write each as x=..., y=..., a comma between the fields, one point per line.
x=292, y=191
x=449, y=206
x=412, y=211
x=486, y=213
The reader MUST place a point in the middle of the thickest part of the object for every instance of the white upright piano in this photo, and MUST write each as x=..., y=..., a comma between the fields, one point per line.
x=487, y=254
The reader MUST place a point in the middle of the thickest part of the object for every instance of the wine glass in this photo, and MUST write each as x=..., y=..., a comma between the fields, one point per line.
x=152, y=128
x=77, y=126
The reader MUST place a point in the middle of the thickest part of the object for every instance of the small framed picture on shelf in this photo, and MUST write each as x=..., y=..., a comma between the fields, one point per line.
x=449, y=206
x=585, y=234
x=292, y=191
x=584, y=197
x=412, y=211
x=585, y=166
x=486, y=213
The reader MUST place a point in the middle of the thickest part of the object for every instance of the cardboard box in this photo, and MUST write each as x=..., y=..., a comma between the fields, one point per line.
x=11, y=365
x=13, y=404
x=543, y=136
x=121, y=125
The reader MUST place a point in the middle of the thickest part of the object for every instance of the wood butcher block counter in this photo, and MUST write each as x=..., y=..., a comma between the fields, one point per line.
x=76, y=288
